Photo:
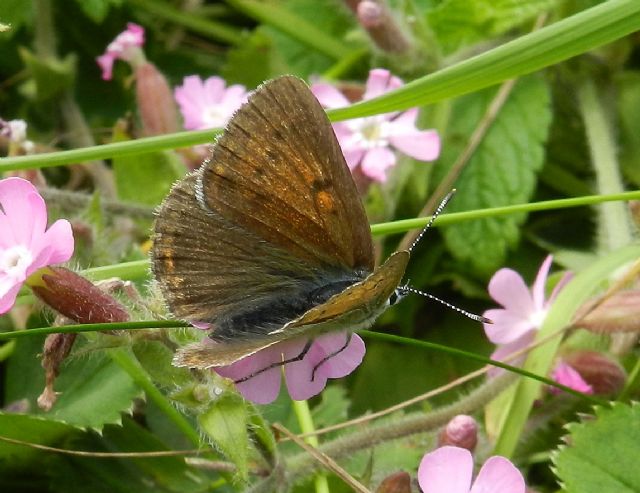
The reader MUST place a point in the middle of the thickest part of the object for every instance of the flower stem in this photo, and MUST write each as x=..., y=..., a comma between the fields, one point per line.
x=614, y=224
x=301, y=408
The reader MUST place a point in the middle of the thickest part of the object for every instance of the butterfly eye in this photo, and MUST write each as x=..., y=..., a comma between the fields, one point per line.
x=396, y=296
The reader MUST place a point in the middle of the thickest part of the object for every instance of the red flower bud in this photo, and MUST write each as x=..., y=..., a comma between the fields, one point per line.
x=398, y=482
x=75, y=297
x=605, y=375
x=156, y=105
x=461, y=431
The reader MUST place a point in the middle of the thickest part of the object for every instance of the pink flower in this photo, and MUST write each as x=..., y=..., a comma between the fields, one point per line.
x=367, y=142
x=566, y=375
x=333, y=355
x=25, y=243
x=125, y=47
x=208, y=103
x=515, y=325
x=449, y=470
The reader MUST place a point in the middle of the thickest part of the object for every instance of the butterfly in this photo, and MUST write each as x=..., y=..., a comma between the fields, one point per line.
x=268, y=240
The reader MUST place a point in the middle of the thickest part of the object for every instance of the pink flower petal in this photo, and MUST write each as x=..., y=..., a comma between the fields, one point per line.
x=446, y=470
x=537, y=289
x=347, y=358
x=328, y=95
x=498, y=475
x=419, y=144
x=122, y=47
x=506, y=327
x=213, y=90
x=10, y=293
x=564, y=280
x=264, y=386
x=380, y=81
x=60, y=237
x=376, y=161
x=566, y=375
x=105, y=62
x=508, y=288
x=24, y=210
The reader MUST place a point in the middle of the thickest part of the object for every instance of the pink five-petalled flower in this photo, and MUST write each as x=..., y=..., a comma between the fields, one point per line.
x=26, y=244
x=515, y=325
x=126, y=46
x=208, y=103
x=258, y=376
x=367, y=142
x=450, y=469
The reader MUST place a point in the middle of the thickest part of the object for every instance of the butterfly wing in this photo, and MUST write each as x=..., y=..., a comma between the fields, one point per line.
x=278, y=171
x=270, y=226
x=355, y=308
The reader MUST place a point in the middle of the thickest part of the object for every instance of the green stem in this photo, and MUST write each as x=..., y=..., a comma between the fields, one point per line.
x=614, y=224
x=128, y=363
x=206, y=27
x=305, y=420
x=298, y=28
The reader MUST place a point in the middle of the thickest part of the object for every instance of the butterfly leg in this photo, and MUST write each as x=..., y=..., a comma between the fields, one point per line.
x=329, y=356
x=300, y=356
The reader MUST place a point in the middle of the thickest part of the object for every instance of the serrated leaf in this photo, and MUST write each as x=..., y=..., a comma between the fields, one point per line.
x=94, y=392
x=225, y=422
x=602, y=453
x=460, y=22
x=501, y=172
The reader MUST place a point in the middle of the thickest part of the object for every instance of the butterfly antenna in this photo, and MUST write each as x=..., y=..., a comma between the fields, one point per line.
x=472, y=316
x=436, y=213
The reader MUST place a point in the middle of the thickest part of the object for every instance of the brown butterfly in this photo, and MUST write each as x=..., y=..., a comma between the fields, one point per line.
x=268, y=240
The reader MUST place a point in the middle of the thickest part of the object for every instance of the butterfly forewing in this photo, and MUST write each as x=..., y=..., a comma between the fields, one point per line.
x=278, y=171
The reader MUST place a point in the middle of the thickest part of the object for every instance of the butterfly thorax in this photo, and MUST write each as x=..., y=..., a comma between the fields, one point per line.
x=260, y=317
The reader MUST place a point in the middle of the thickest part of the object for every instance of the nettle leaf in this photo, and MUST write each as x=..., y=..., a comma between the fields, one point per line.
x=501, y=172
x=225, y=423
x=460, y=22
x=602, y=453
x=94, y=392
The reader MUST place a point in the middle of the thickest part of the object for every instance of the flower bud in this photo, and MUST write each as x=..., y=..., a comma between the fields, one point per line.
x=398, y=482
x=376, y=18
x=603, y=374
x=461, y=431
x=156, y=106
x=75, y=297
x=634, y=208
x=619, y=313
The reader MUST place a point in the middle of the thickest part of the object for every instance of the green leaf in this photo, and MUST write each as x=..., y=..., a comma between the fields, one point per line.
x=225, y=422
x=460, y=22
x=249, y=63
x=155, y=357
x=97, y=10
x=146, y=178
x=32, y=429
x=140, y=474
x=51, y=76
x=94, y=392
x=629, y=90
x=602, y=453
x=502, y=171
